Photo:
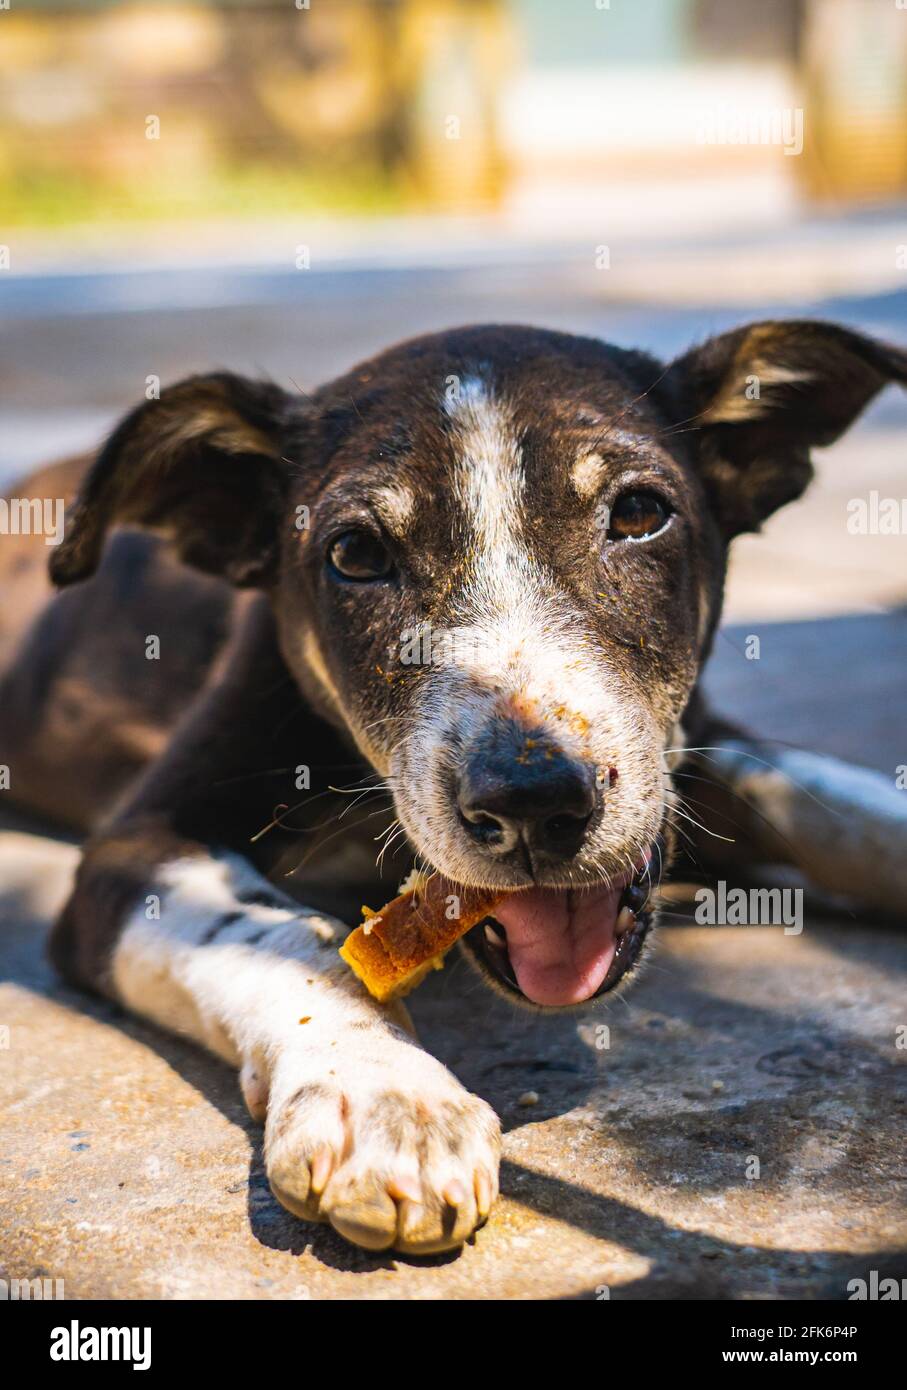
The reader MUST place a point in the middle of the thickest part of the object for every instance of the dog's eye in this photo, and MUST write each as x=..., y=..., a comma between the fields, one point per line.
x=636, y=516
x=360, y=555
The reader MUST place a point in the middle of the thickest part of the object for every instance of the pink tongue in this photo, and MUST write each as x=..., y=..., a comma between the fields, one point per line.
x=561, y=943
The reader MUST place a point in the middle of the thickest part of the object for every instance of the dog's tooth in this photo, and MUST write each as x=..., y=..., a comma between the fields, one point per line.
x=494, y=937
x=635, y=896
x=626, y=920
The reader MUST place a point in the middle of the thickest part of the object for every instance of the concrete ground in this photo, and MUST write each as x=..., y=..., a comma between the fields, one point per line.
x=739, y=1136
x=741, y=1133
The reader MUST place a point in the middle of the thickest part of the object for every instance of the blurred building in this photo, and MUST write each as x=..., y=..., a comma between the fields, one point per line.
x=785, y=100
x=173, y=108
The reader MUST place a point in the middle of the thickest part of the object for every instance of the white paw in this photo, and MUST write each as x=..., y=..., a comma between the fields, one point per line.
x=400, y=1157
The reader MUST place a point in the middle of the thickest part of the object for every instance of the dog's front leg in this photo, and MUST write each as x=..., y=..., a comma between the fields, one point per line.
x=844, y=827
x=362, y=1127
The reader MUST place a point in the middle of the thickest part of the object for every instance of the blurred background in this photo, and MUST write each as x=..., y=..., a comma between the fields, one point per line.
x=284, y=186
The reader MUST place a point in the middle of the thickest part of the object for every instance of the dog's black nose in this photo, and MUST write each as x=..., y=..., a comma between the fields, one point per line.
x=538, y=800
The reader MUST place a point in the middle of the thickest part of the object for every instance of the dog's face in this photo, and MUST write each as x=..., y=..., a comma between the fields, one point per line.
x=506, y=585
x=496, y=557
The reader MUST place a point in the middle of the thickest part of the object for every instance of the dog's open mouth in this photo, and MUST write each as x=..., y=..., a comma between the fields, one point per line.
x=557, y=947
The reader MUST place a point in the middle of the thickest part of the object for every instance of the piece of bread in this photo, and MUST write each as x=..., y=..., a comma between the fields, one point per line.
x=394, y=949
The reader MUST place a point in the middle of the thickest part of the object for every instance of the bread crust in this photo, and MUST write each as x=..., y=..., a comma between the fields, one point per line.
x=393, y=950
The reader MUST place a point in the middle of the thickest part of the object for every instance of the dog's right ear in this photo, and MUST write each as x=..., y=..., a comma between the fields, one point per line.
x=758, y=399
x=201, y=465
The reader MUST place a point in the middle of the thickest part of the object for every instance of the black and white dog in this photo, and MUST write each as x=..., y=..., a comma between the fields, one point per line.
x=472, y=583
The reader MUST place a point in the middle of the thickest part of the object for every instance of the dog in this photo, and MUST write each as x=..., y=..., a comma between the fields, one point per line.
x=473, y=582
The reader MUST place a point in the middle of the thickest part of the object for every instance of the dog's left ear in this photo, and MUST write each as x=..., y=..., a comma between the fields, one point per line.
x=756, y=400
x=202, y=465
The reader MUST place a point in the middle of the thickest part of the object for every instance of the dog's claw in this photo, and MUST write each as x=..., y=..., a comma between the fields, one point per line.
x=321, y=1168
x=255, y=1091
x=454, y=1194
x=406, y=1188
x=386, y=1166
x=484, y=1193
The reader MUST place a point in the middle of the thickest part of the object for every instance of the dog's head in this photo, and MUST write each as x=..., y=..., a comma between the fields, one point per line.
x=496, y=557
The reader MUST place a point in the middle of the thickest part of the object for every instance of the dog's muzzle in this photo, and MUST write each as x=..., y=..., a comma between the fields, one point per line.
x=524, y=802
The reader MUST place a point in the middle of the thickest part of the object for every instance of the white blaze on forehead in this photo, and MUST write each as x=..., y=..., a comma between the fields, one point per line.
x=489, y=479
x=513, y=630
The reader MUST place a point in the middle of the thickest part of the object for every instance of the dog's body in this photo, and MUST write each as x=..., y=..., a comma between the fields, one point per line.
x=556, y=512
